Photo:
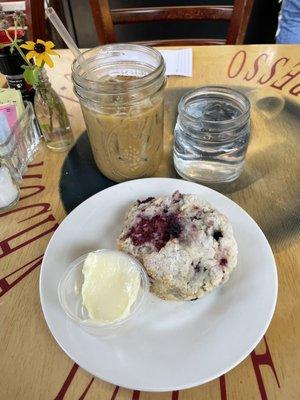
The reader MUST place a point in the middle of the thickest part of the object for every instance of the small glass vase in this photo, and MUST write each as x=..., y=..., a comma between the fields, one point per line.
x=52, y=115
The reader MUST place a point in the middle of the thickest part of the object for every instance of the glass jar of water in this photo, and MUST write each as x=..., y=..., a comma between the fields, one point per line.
x=211, y=134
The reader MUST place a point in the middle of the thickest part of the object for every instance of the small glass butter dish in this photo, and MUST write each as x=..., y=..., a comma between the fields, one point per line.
x=71, y=294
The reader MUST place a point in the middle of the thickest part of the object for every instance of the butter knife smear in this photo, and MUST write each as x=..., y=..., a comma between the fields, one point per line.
x=111, y=285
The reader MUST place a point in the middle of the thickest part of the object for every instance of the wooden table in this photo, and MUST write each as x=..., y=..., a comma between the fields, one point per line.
x=31, y=363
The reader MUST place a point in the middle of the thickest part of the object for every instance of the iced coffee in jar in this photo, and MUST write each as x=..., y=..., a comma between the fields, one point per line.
x=120, y=90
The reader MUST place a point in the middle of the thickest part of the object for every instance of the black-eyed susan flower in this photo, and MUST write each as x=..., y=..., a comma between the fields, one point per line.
x=40, y=52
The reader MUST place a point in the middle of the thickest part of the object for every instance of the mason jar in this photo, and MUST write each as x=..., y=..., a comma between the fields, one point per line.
x=211, y=134
x=120, y=89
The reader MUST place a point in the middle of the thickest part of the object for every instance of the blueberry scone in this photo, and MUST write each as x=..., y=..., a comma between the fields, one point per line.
x=185, y=245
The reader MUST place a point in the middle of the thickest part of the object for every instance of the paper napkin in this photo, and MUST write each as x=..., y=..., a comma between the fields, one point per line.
x=178, y=62
x=12, y=96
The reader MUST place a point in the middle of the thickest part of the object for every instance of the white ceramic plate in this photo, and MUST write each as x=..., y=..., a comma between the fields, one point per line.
x=172, y=345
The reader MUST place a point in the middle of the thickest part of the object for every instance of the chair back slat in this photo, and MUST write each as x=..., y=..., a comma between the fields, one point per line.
x=103, y=21
x=187, y=13
x=244, y=24
x=238, y=16
x=35, y=19
x=182, y=42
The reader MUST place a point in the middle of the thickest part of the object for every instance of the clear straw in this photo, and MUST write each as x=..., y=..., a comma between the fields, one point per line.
x=66, y=37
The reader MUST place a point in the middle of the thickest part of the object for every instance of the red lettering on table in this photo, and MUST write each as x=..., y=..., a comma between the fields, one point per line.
x=61, y=394
x=135, y=395
x=273, y=70
x=229, y=71
x=6, y=285
x=36, y=164
x=263, y=359
x=67, y=383
x=9, y=281
x=293, y=90
x=38, y=176
x=175, y=395
x=115, y=393
x=39, y=189
x=45, y=208
x=8, y=249
x=256, y=67
x=86, y=390
x=290, y=76
x=223, y=387
x=238, y=61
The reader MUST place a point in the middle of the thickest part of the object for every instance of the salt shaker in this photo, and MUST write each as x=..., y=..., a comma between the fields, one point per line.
x=9, y=189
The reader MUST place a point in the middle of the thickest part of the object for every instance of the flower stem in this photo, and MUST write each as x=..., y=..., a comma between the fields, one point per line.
x=16, y=46
x=22, y=54
x=8, y=35
x=16, y=32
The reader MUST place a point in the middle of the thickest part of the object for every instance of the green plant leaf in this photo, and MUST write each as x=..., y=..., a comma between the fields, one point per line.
x=36, y=75
x=28, y=76
x=31, y=75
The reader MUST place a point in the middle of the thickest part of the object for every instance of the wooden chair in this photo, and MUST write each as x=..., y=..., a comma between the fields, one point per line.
x=237, y=15
x=35, y=16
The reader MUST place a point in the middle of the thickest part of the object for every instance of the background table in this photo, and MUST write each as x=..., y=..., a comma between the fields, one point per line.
x=31, y=363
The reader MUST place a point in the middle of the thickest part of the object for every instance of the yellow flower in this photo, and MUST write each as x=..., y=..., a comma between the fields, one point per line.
x=40, y=51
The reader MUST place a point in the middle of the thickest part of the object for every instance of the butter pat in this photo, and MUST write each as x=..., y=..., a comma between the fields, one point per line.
x=111, y=285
